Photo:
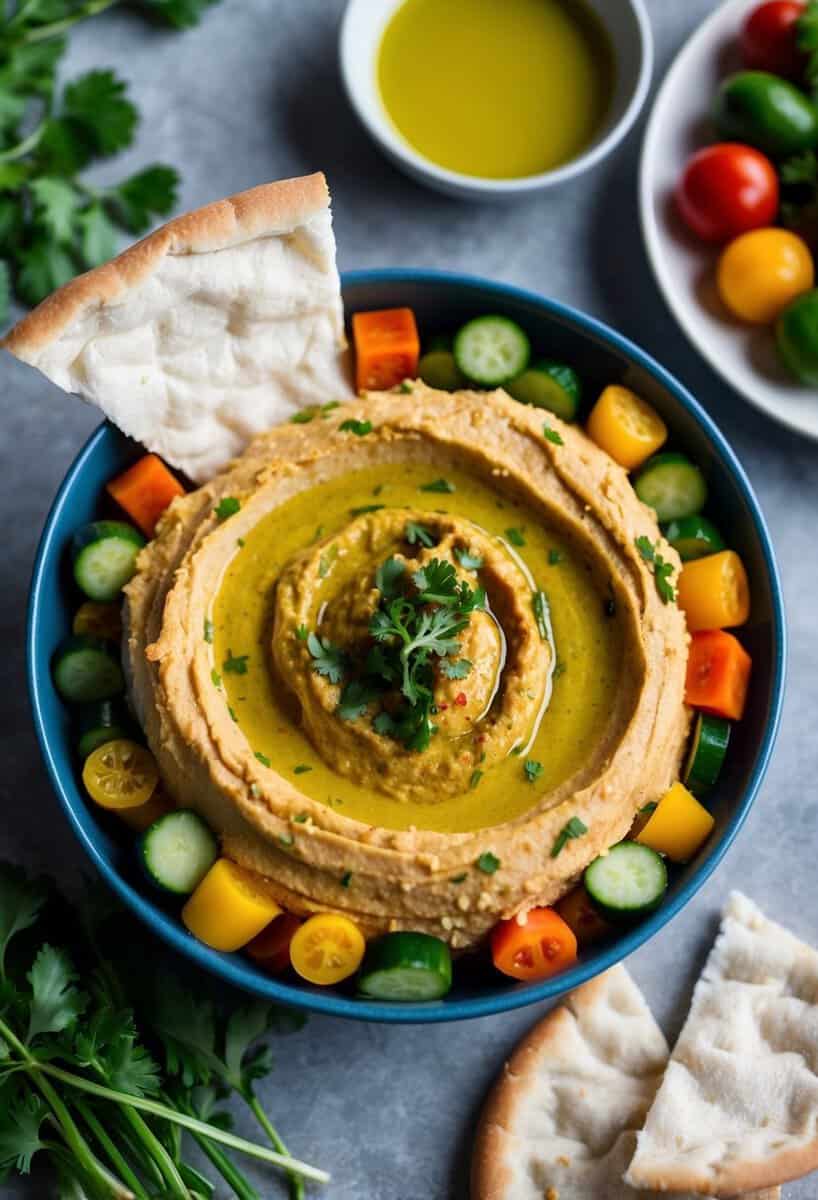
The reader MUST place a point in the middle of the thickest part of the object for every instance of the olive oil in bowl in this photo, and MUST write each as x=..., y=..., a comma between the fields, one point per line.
x=496, y=89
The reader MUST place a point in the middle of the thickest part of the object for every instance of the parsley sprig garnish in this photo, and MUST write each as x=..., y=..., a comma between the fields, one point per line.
x=78, y=1084
x=574, y=828
x=54, y=223
x=662, y=570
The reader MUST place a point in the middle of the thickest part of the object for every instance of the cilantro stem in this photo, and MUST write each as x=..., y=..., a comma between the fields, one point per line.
x=42, y=33
x=159, y=1154
x=21, y=149
x=117, y=1160
x=230, y=1173
x=296, y=1184
x=252, y=1149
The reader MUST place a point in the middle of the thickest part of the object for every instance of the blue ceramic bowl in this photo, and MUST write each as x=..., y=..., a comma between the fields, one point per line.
x=441, y=301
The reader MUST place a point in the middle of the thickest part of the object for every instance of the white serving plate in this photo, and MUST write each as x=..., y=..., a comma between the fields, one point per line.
x=684, y=267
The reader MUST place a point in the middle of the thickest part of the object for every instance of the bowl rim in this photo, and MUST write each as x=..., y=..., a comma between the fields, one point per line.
x=232, y=968
x=399, y=150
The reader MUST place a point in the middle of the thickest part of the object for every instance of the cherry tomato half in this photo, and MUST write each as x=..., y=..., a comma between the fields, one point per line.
x=536, y=949
x=768, y=38
x=727, y=189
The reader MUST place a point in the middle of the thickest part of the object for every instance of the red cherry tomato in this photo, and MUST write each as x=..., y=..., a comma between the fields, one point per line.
x=727, y=189
x=768, y=38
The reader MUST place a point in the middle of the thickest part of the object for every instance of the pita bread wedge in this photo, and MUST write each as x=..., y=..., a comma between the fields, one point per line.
x=560, y=1123
x=214, y=328
x=738, y=1106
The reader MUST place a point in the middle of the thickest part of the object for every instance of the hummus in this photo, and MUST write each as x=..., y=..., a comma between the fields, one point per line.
x=559, y=696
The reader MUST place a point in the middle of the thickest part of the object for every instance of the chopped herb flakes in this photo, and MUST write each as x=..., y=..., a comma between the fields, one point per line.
x=233, y=716
x=459, y=878
x=575, y=828
x=286, y=839
x=346, y=879
x=476, y=776
x=533, y=769
x=355, y=699
x=364, y=508
x=262, y=758
x=216, y=677
x=551, y=435
x=301, y=769
x=487, y=863
x=648, y=808
x=438, y=485
x=228, y=506
x=455, y=669
x=359, y=428
x=240, y=543
x=661, y=570
x=516, y=537
x=539, y=602
x=469, y=561
x=406, y=387
x=309, y=414
x=326, y=560
x=554, y=557
x=235, y=664
x=302, y=633
x=416, y=533
x=301, y=818
x=208, y=630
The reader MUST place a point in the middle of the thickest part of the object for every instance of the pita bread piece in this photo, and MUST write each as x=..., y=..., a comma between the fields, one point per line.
x=219, y=325
x=738, y=1106
x=560, y=1123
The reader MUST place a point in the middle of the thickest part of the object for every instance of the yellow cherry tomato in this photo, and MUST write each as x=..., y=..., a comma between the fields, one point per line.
x=714, y=592
x=761, y=272
x=229, y=907
x=98, y=620
x=327, y=948
x=678, y=826
x=120, y=774
x=625, y=426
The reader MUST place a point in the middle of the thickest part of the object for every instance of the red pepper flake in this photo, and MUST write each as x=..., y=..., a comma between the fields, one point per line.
x=461, y=699
x=442, y=707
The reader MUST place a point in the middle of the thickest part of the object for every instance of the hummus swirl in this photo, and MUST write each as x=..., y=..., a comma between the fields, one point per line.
x=457, y=883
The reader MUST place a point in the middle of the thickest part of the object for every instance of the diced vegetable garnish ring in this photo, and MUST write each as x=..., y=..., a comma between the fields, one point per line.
x=229, y=907
x=672, y=486
x=491, y=350
x=85, y=668
x=387, y=348
x=535, y=945
x=120, y=774
x=327, y=948
x=550, y=385
x=718, y=674
x=144, y=491
x=628, y=881
x=626, y=427
x=406, y=966
x=708, y=748
x=694, y=537
x=104, y=557
x=678, y=826
x=714, y=592
x=177, y=851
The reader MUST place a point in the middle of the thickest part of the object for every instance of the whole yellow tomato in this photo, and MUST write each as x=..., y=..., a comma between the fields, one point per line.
x=761, y=272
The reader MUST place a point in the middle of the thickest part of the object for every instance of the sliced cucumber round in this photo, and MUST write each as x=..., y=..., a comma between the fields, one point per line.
x=101, y=722
x=694, y=537
x=85, y=668
x=491, y=350
x=104, y=557
x=628, y=881
x=672, y=486
x=549, y=385
x=708, y=748
x=406, y=967
x=438, y=369
x=177, y=851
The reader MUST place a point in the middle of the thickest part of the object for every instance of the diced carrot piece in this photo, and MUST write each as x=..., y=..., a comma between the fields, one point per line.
x=387, y=348
x=144, y=491
x=718, y=674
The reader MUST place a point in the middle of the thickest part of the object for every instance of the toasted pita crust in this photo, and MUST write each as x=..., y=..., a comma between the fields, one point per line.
x=560, y=1122
x=213, y=328
x=738, y=1107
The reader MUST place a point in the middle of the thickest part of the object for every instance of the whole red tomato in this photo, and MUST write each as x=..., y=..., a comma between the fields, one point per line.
x=727, y=189
x=768, y=38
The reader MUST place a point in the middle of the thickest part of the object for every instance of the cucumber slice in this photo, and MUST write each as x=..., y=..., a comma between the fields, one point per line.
x=672, y=486
x=177, y=851
x=102, y=722
x=84, y=668
x=549, y=385
x=708, y=748
x=694, y=537
x=104, y=557
x=628, y=881
x=406, y=967
x=491, y=350
x=438, y=369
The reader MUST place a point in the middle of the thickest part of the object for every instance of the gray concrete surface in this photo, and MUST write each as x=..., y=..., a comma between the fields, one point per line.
x=252, y=95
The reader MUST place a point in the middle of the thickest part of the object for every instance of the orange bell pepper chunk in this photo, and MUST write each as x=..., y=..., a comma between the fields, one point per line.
x=535, y=945
x=387, y=348
x=144, y=491
x=718, y=674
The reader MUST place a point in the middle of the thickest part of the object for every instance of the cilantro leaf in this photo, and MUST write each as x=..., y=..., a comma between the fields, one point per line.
x=21, y=901
x=55, y=206
x=301, y=769
x=554, y=557
x=97, y=235
x=329, y=660
x=416, y=533
x=475, y=778
x=359, y=428
x=662, y=570
x=326, y=560
x=235, y=664
x=55, y=1001
x=22, y=1116
x=438, y=485
x=645, y=547
x=108, y=1043
x=436, y=582
x=355, y=699
x=552, y=436
x=533, y=769
x=388, y=576
x=539, y=603
x=516, y=537
x=458, y=669
x=365, y=508
x=5, y=288
x=42, y=266
x=228, y=506
x=468, y=560
x=573, y=828
x=97, y=103
x=181, y=14
x=149, y=193
x=488, y=863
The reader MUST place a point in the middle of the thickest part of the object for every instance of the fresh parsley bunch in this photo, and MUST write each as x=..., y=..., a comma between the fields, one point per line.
x=79, y=1078
x=52, y=222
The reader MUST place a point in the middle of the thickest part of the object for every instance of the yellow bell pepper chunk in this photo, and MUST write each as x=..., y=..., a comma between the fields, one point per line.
x=626, y=427
x=678, y=826
x=714, y=592
x=229, y=907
